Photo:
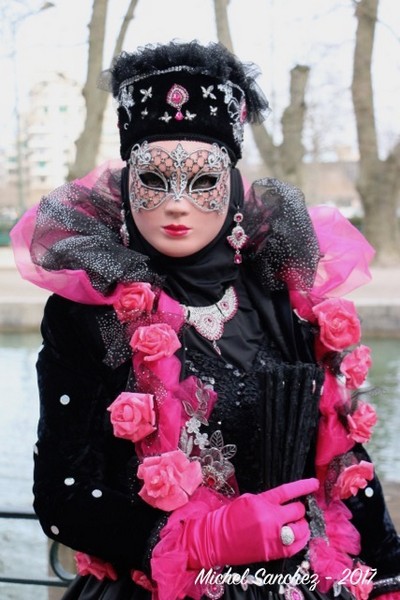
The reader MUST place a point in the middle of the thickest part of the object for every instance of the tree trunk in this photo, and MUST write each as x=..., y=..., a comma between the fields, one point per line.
x=378, y=181
x=292, y=150
x=268, y=151
x=96, y=100
x=283, y=161
x=88, y=143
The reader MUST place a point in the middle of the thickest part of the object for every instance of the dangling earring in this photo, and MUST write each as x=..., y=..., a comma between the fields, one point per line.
x=123, y=230
x=238, y=237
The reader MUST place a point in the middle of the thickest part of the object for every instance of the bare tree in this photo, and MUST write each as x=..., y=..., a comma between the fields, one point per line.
x=379, y=180
x=281, y=160
x=284, y=160
x=88, y=143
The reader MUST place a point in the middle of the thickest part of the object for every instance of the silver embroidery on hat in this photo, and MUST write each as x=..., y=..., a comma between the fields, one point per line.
x=146, y=93
x=208, y=92
x=125, y=99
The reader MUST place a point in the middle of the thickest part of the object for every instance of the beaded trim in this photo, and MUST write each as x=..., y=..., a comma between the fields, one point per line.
x=192, y=70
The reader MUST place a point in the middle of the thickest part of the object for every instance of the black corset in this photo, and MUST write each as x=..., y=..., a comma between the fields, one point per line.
x=270, y=413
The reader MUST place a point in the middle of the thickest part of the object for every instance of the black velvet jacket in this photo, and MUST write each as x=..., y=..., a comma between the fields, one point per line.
x=85, y=485
x=86, y=491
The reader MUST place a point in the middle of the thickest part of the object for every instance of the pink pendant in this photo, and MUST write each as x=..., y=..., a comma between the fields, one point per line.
x=177, y=97
x=238, y=237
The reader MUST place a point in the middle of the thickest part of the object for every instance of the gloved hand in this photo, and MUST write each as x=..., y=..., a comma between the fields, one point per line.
x=249, y=528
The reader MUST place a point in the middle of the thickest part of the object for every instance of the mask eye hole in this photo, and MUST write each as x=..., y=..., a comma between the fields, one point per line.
x=205, y=182
x=153, y=181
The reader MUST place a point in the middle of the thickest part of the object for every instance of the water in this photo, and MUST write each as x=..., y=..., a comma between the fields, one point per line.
x=384, y=374
x=23, y=546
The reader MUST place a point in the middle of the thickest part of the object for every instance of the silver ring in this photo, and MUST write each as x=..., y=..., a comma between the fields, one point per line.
x=287, y=535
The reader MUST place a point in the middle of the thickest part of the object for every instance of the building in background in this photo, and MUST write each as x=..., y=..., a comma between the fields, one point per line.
x=51, y=126
x=48, y=130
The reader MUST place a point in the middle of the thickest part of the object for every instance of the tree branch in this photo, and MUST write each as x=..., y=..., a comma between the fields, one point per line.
x=221, y=18
x=124, y=27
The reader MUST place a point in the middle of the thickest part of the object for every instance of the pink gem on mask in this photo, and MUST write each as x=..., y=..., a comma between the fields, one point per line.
x=177, y=97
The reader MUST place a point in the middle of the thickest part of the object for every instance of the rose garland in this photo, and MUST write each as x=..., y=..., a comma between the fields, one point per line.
x=163, y=421
x=345, y=420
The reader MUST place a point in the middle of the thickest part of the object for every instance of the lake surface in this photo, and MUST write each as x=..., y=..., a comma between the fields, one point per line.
x=23, y=546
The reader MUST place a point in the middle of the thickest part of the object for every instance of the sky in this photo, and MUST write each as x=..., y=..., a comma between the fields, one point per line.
x=275, y=34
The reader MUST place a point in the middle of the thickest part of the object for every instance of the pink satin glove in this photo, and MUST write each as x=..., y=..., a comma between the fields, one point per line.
x=249, y=528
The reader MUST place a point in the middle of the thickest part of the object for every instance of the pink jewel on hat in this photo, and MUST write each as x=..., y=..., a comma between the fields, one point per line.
x=177, y=97
x=243, y=111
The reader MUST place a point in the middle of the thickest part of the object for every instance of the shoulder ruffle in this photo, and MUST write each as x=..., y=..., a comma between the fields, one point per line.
x=72, y=244
x=282, y=248
x=344, y=262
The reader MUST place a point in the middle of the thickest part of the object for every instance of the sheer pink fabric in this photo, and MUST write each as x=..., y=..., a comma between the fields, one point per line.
x=344, y=264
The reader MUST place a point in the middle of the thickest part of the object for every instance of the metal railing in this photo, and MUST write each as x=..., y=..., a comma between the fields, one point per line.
x=62, y=577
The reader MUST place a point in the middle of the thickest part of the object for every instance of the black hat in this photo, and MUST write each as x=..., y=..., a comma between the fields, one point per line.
x=184, y=91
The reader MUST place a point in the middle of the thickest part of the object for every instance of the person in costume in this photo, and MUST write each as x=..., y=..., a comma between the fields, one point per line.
x=201, y=432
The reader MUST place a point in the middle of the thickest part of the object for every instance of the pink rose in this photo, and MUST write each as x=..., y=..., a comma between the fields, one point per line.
x=90, y=565
x=355, y=366
x=133, y=298
x=156, y=341
x=352, y=479
x=361, y=422
x=169, y=479
x=338, y=322
x=364, y=576
x=132, y=416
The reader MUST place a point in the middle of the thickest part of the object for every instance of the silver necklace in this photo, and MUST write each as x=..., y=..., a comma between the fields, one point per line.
x=209, y=321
